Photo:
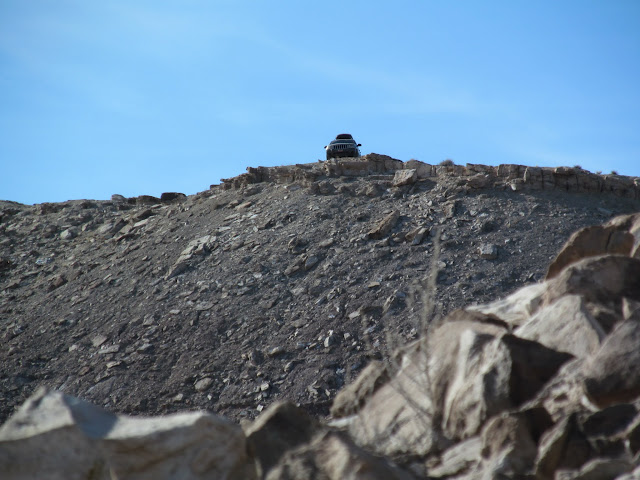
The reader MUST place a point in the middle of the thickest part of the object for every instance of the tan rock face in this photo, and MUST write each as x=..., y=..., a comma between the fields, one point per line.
x=332, y=456
x=405, y=177
x=566, y=325
x=59, y=437
x=590, y=242
x=612, y=374
x=598, y=279
x=398, y=418
x=514, y=177
x=352, y=397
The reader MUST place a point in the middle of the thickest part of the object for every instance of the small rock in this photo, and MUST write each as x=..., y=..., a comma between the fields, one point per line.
x=145, y=347
x=109, y=349
x=69, y=233
x=331, y=339
x=384, y=226
x=326, y=243
x=488, y=251
x=203, y=384
x=98, y=340
x=178, y=398
x=275, y=351
x=57, y=282
x=310, y=262
x=405, y=177
x=167, y=197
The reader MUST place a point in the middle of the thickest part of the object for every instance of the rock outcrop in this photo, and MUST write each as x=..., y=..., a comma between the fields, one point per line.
x=535, y=385
x=55, y=436
x=469, y=176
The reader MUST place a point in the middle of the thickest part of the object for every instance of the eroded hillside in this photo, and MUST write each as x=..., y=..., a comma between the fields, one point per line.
x=281, y=283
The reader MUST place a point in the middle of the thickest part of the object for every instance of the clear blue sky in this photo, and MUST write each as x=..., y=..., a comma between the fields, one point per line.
x=147, y=96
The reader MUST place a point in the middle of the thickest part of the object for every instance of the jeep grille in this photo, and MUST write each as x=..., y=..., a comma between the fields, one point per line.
x=342, y=146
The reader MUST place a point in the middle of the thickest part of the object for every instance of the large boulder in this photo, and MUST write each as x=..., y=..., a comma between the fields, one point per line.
x=514, y=309
x=332, y=456
x=56, y=436
x=620, y=236
x=591, y=242
x=397, y=420
x=612, y=374
x=280, y=428
x=566, y=325
x=492, y=375
x=353, y=396
x=604, y=279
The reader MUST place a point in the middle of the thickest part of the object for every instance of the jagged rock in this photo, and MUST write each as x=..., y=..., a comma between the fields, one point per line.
x=562, y=447
x=168, y=197
x=516, y=308
x=384, y=226
x=55, y=436
x=405, y=177
x=463, y=457
x=491, y=375
x=488, y=251
x=423, y=170
x=194, y=252
x=634, y=475
x=416, y=235
x=57, y=282
x=601, y=279
x=397, y=419
x=609, y=421
x=331, y=456
x=596, y=469
x=509, y=446
x=145, y=200
x=612, y=374
x=280, y=428
x=566, y=325
x=111, y=228
x=613, y=238
x=353, y=396
x=563, y=395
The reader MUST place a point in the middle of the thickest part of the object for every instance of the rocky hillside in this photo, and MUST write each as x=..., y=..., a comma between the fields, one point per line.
x=282, y=283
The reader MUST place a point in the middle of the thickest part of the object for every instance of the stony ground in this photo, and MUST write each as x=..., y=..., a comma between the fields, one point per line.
x=229, y=299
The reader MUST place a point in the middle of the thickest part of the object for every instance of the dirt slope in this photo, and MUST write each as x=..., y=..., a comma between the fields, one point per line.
x=229, y=299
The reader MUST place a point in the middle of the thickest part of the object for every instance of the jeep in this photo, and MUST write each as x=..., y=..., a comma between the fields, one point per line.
x=343, y=146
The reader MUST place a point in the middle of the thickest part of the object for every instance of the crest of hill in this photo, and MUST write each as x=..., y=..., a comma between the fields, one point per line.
x=469, y=176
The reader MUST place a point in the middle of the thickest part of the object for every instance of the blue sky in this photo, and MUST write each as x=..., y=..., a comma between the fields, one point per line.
x=148, y=96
